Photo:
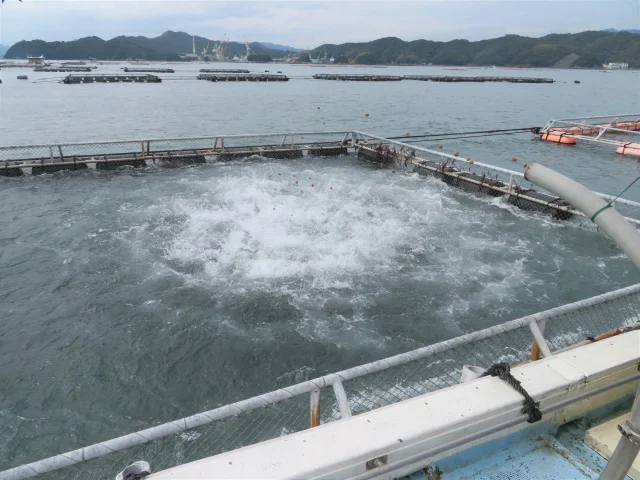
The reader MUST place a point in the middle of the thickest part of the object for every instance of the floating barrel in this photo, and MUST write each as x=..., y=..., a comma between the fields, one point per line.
x=558, y=135
x=629, y=149
x=23, y=77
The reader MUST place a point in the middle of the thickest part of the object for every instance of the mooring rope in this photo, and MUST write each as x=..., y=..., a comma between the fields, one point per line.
x=610, y=204
x=464, y=134
x=419, y=139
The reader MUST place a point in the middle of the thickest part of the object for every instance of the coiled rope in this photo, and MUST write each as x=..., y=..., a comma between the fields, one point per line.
x=503, y=372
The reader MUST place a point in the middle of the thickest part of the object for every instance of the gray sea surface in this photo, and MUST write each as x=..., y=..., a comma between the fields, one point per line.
x=134, y=297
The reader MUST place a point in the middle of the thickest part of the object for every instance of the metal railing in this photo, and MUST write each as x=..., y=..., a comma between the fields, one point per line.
x=497, y=180
x=26, y=155
x=620, y=129
x=348, y=392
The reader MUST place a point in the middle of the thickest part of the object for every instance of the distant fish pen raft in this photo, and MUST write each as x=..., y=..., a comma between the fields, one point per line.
x=465, y=174
x=115, y=78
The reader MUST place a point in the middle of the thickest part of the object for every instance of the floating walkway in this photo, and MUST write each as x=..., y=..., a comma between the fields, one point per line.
x=73, y=79
x=426, y=78
x=243, y=77
x=621, y=131
x=356, y=77
x=223, y=70
x=62, y=69
x=148, y=70
x=447, y=78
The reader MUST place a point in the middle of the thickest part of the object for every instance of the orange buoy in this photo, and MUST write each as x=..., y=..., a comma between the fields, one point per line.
x=514, y=159
x=629, y=149
x=557, y=137
x=525, y=164
x=456, y=154
x=408, y=134
x=366, y=114
x=440, y=146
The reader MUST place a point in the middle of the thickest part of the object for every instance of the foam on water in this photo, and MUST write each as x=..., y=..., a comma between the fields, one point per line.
x=162, y=293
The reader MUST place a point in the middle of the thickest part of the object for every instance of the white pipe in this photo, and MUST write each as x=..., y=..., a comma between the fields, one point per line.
x=613, y=224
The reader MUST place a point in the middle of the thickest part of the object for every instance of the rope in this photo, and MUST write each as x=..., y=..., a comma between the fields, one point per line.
x=502, y=371
x=610, y=204
x=514, y=130
x=416, y=139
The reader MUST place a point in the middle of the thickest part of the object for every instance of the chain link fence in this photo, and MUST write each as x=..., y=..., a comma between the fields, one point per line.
x=367, y=387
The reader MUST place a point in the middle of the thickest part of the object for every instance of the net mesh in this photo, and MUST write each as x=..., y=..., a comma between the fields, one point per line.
x=467, y=175
x=566, y=326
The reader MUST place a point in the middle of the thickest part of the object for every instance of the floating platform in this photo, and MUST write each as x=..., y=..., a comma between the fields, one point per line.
x=448, y=78
x=621, y=131
x=72, y=79
x=223, y=70
x=470, y=176
x=243, y=77
x=140, y=153
x=357, y=77
x=149, y=70
x=62, y=69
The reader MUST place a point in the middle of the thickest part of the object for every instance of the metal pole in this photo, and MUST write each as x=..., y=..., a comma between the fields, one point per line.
x=314, y=419
x=628, y=446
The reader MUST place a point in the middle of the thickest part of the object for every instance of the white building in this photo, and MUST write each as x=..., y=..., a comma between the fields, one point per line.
x=615, y=66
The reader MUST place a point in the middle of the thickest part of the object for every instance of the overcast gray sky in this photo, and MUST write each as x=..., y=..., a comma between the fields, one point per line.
x=306, y=24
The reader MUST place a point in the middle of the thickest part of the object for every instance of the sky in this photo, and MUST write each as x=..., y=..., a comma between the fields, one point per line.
x=307, y=24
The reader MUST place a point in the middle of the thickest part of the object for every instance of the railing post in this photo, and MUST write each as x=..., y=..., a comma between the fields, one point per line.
x=628, y=447
x=539, y=343
x=315, y=409
x=341, y=397
x=60, y=151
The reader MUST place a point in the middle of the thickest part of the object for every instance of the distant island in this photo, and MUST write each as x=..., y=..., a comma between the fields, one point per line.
x=587, y=50
x=579, y=50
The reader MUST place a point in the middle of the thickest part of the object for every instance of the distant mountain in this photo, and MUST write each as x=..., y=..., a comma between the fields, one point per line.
x=284, y=48
x=614, y=30
x=587, y=49
x=167, y=47
x=3, y=49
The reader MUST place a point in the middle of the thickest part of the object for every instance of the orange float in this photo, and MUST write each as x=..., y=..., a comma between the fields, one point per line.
x=629, y=149
x=558, y=135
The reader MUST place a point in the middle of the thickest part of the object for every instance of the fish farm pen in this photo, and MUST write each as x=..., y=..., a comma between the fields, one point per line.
x=223, y=70
x=426, y=78
x=62, y=69
x=357, y=77
x=447, y=78
x=465, y=174
x=76, y=79
x=148, y=70
x=243, y=77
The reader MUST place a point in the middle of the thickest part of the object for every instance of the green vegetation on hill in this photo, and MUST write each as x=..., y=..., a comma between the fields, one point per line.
x=587, y=49
x=168, y=47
